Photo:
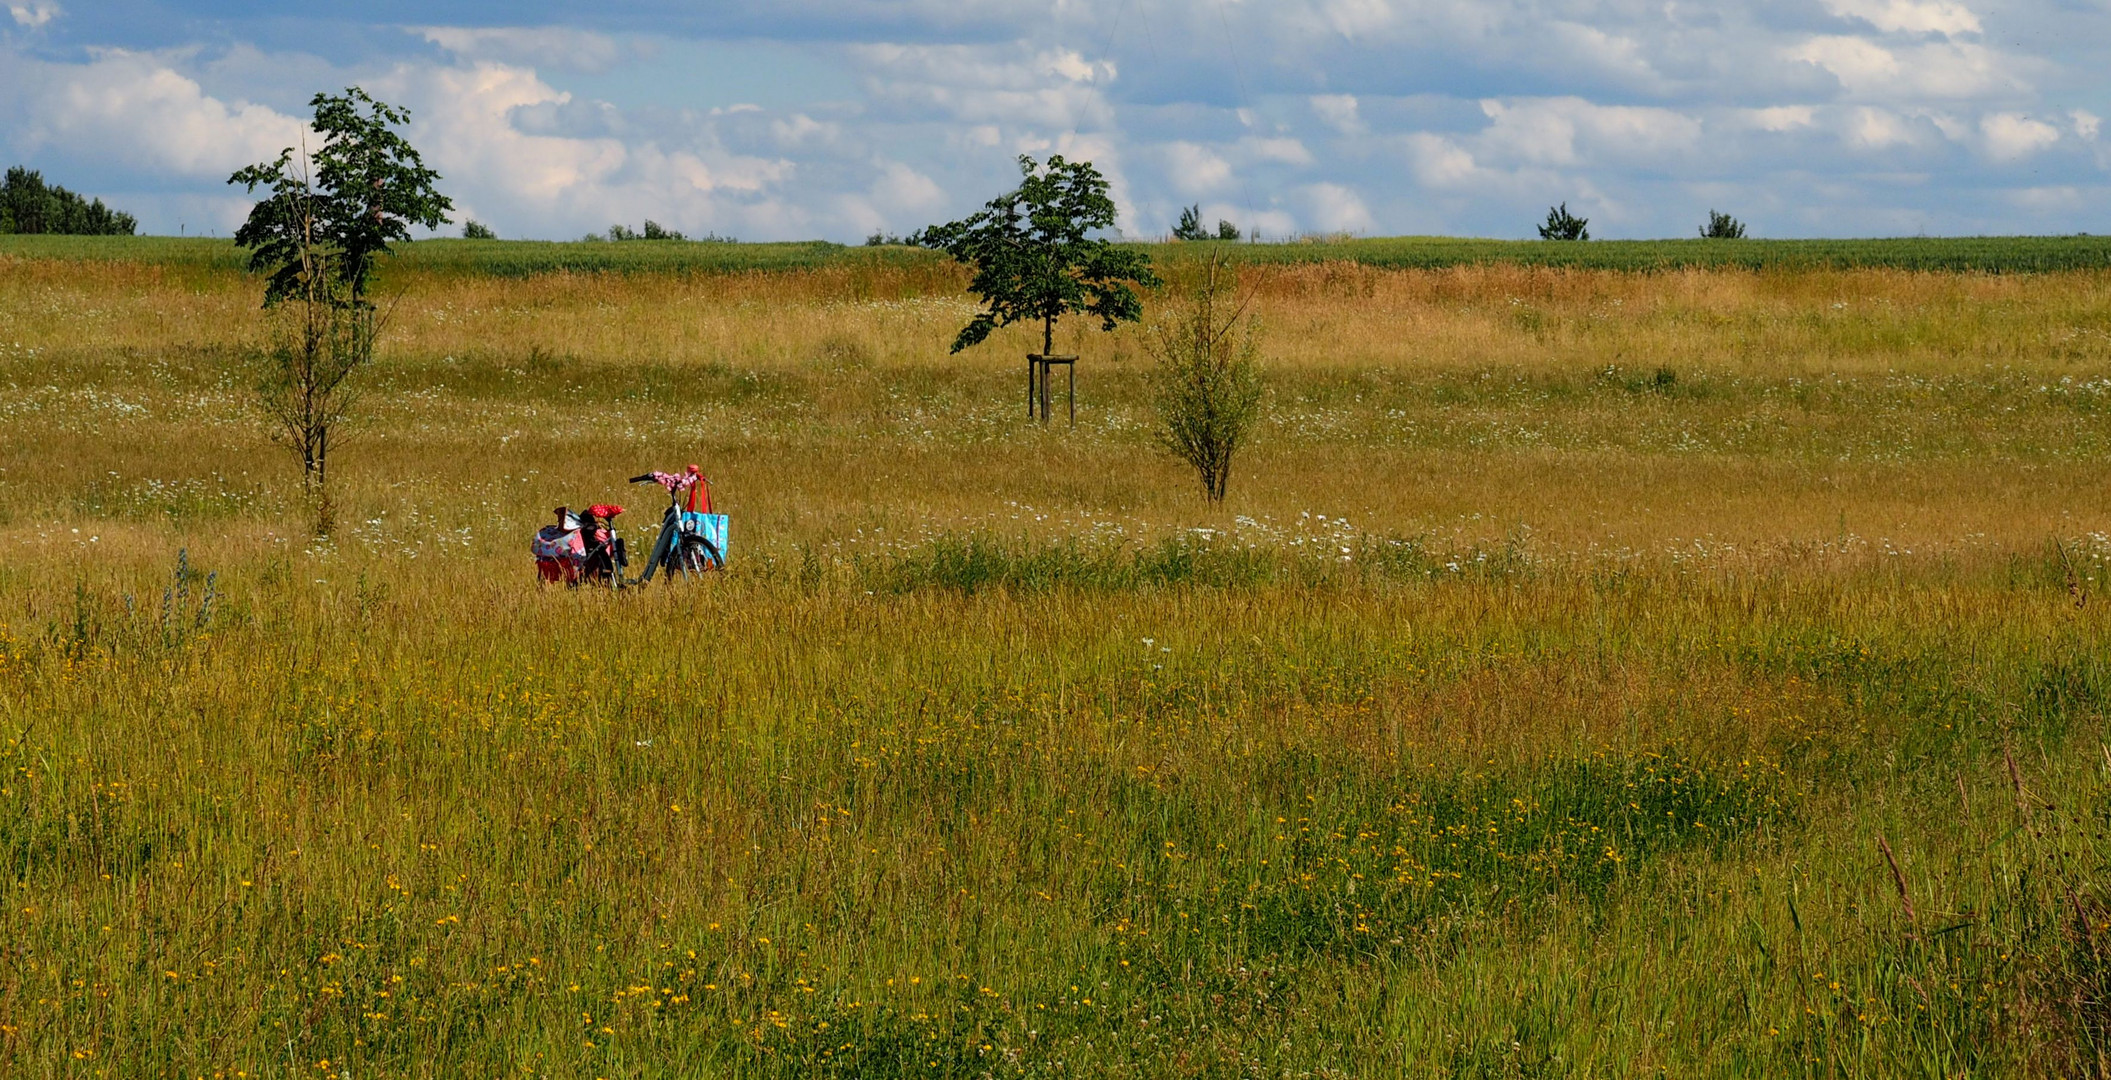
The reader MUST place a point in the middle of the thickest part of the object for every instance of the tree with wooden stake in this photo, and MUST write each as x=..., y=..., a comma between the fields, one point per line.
x=1035, y=258
x=328, y=216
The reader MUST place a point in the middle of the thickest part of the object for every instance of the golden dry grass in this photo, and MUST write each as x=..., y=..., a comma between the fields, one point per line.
x=1525, y=713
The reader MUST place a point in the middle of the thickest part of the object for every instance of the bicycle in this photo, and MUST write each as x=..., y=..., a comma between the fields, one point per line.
x=689, y=544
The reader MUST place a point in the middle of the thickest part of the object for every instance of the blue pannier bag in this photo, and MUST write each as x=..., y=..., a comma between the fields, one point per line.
x=710, y=527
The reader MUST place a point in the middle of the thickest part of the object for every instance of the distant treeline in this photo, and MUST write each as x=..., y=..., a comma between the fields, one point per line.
x=29, y=205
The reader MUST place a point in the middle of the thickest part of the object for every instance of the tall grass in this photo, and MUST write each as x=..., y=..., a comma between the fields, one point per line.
x=1528, y=714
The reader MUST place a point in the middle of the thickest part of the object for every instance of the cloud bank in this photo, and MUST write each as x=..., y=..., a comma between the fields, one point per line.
x=836, y=118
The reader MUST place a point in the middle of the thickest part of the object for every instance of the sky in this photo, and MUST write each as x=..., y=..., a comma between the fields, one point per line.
x=834, y=119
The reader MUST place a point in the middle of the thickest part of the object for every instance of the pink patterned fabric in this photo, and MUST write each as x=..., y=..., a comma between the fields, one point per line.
x=673, y=481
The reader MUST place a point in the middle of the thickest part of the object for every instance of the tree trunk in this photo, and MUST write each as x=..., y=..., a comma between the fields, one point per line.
x=1047, y=335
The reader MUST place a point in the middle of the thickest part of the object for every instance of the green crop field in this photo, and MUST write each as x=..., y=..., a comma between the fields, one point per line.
x=1592, y=673
x=2005, y=254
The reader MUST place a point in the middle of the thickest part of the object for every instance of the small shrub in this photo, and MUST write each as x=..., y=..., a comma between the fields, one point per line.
x=1562, y=225
x=477, y=230
x=1226, y=230
x=1205, y=382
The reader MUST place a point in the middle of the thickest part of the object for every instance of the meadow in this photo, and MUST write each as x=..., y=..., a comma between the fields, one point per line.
x=1594, y=672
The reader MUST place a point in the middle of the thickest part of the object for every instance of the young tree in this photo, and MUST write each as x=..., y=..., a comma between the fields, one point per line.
x=1562, y=225
x=1205, y=376
x=477, y=230
x=1190, y=227
x=1226, y=230
x=1722, y=227
x=1035, y=258
x=328, y=216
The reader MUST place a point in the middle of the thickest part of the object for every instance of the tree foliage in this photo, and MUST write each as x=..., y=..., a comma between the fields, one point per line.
x=1205, y=376
x=334, y=210
x=1562, y=225
x=477, y=230
x=29, y=205
x=1722, y=226
x=1035, y=258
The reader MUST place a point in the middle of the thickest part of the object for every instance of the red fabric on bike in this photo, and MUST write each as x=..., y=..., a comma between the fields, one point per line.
x=604, y=511
x=699, y=500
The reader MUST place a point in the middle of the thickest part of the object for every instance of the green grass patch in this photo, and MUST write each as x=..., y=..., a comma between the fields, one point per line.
x=518, y=258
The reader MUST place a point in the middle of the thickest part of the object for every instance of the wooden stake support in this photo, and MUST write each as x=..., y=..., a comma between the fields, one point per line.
x=1037, y=377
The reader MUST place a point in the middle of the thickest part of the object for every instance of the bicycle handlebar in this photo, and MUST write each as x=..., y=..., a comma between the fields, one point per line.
x=645, y=479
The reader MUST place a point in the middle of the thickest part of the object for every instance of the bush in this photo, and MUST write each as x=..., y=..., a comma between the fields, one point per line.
x=1562, y=225
x=477, y=230
x=1722, y=226
x=1205, y=384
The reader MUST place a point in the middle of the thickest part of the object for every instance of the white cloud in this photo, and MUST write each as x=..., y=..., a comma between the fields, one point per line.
x=2054, y=199
x=1335, y=208
x=464, y=117
x=1440, y=163
x=1282, y=150
x=1338, y=111
x=2086, y=123
x=559, y=47
x=34, y=13
x=799, y=129
x=1936, y=71
x=905, y=192
x=1043, y=89
x=1356, y=18
x=2012, y=136
x=1877, y=129
x=1946, y=17
x=1859, y=64
x=1192, y=169
x=133, y=109
x=1571, y=131
x=1782, y=117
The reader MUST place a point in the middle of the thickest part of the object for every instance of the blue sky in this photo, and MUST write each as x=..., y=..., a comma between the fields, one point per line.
x=835, y=118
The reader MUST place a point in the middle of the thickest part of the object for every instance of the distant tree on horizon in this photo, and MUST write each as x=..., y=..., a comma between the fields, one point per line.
x=1562, y=225
x=1722, y=226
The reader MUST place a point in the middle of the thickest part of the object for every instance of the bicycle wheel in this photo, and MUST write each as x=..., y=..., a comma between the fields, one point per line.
x=693, y=557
